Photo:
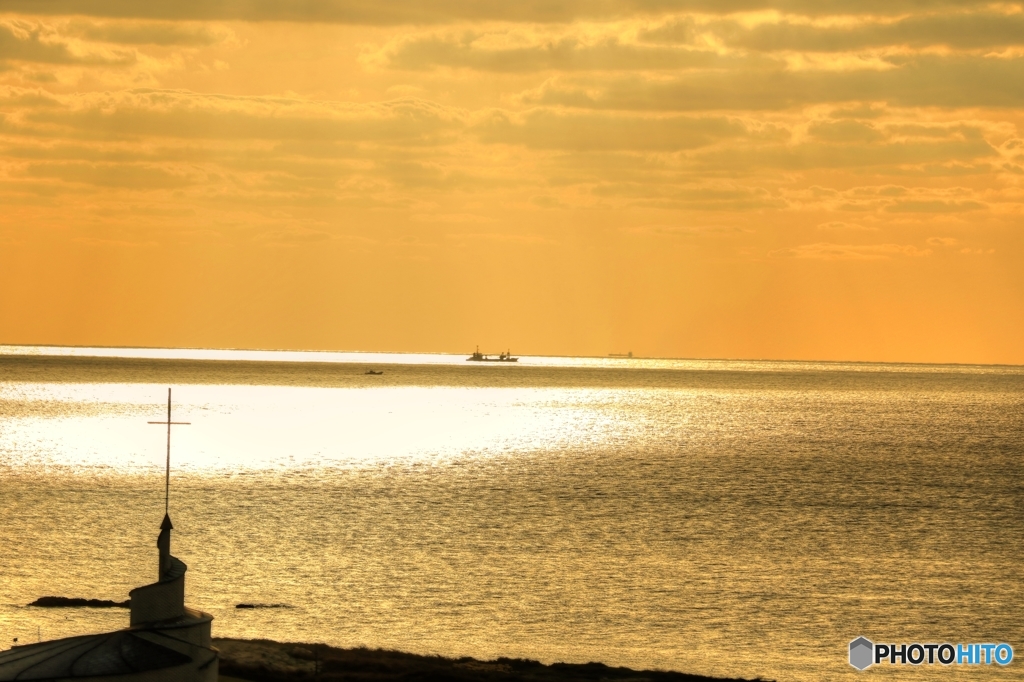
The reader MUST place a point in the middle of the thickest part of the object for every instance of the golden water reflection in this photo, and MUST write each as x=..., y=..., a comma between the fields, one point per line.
x=255, y=427
x=694, y=523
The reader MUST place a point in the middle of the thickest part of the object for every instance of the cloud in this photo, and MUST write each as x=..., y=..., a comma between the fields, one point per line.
x=583, y=131
x=40, y=77
x=945, y=207
x=845, y=131
x=840, y=226
x=862, y=252
x=914, y=81
x=957, y=29
x=886, y=198
x=133, y=176
x=230, y=149
x=519, y=50
x=952, y=242
x=684, y=42
x=446, y=11
x=280, y=150
x=294, y=236
x=34, y=42
x=809, y=155
x=560, y=114
x=858, y=111
x=451, y=218
x=149, y=32
x=703, y=197
x=183, y=114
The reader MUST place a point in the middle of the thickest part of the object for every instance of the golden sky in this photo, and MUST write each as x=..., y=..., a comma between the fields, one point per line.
x=802, y=179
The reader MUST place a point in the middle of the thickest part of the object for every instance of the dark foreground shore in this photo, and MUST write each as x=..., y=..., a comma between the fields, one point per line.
x=261, y=660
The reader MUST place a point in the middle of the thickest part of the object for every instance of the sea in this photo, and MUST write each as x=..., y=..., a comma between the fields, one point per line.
x=728, y=518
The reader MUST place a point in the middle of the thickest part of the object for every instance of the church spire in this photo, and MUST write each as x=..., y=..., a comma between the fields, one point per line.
x=163, y=542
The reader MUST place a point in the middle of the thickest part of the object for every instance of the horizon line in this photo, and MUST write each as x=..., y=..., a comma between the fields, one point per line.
x=449, y=353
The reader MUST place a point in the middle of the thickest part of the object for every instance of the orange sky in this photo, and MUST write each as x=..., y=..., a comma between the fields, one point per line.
x=801, y=179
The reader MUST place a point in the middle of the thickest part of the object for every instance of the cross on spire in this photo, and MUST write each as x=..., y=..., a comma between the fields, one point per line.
x=167, y=481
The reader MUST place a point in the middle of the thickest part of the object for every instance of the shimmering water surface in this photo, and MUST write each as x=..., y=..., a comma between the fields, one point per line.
x=725, y=518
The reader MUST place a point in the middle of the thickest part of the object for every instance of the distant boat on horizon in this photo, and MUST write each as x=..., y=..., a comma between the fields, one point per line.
x=502, y=357
x=621, y=355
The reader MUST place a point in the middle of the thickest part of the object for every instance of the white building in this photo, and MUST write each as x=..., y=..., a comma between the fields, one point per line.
x=165, y=641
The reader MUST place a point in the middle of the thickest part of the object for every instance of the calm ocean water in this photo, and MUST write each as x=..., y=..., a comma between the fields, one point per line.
x=725, y=518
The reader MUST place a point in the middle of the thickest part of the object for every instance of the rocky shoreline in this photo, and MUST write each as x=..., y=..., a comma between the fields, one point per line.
x=261, y=660
x=264, y=660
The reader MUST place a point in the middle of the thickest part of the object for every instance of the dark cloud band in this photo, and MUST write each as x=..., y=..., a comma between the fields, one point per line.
x=446, y=11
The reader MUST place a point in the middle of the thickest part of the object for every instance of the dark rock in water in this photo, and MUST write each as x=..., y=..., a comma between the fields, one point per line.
x=62, y=602
x=263, y=606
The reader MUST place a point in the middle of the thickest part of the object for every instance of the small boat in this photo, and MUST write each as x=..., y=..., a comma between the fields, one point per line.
x=374, y=372
x=480, y=357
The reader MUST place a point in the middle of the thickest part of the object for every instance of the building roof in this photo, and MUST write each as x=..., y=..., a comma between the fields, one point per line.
x=111, y=653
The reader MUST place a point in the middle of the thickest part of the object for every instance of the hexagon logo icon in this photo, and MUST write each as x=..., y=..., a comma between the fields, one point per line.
x=861, y=653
